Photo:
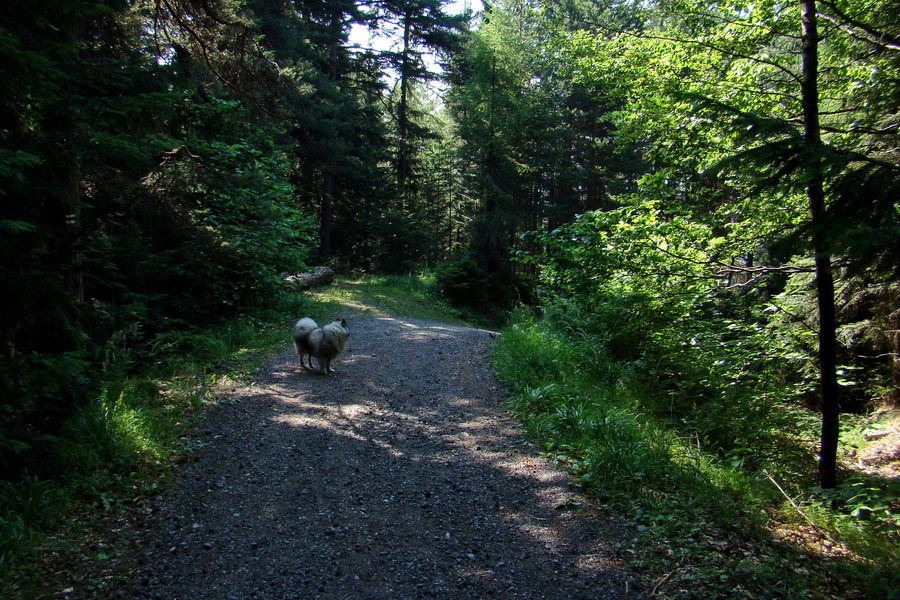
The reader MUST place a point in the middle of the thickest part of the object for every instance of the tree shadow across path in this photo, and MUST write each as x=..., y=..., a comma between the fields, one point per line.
x=400, y=476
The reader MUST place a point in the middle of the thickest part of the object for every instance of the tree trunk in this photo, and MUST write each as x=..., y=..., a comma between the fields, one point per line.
x=65, y=201
x=403, y=112
x=815, y=194
x=326, y=214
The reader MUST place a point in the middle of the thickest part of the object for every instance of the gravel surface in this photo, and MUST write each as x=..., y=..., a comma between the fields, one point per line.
x=400, y=476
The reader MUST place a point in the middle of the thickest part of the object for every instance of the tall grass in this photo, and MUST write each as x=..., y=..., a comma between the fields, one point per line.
x=23, y=505
x=606, y=421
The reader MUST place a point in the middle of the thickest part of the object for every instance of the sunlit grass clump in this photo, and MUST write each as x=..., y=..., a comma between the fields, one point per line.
x=412, y=296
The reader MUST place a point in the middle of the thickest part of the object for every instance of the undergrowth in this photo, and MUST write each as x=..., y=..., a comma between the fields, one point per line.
x=118, y=446
x=713, y=524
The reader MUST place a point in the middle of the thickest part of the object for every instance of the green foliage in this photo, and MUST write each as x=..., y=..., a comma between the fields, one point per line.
x=101, y=436
x=117, y=445
x=629, y=275
x=463, y=282
x=865, y=499
x=102, y=245
x=25, y=504
x=701, y=513
x=466, y=284
x=37, y=391
x=535, y=142
x=240, y=227
x=692, y=283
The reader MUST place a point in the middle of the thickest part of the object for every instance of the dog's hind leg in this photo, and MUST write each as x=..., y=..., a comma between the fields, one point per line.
x=301, y=354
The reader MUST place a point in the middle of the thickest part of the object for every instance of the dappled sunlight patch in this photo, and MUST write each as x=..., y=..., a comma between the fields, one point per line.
x=351, y=411
x=812, y=540
x=382, y=297
x=538, y=530
x=474, y=436
x=479, y=577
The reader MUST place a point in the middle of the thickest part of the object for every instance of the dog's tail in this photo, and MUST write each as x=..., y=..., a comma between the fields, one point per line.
x=304, y=327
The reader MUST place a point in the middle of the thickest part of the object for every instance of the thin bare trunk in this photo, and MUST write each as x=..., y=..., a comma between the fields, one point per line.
x=326, y=214
x=815, y=194
x=403, y=112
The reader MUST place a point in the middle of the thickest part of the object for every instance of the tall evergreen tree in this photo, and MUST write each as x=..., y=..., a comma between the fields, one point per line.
x=423, y=28
x=536, y=138
x=101, y=237
x=332, y=109
x=78, y=107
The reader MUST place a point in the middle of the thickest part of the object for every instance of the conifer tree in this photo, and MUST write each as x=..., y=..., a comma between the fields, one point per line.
x=423, y=27
x=535, y=138
x=336, y=130
x=136, y=200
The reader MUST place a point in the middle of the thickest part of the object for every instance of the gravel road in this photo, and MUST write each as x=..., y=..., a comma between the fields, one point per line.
x=401, y=476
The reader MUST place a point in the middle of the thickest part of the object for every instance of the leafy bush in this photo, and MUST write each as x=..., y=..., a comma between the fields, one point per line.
x=634, y=284
x=612, y=274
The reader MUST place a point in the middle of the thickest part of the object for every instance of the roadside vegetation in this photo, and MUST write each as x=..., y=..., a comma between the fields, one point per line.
x=120, y=445
x=724, y=496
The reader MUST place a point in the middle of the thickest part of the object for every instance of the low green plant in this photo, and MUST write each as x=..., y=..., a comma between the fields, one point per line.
x=685, y=493
x=24, y=506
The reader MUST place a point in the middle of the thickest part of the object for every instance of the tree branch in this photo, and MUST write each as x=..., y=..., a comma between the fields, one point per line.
x=858, y=29
x=695, y=42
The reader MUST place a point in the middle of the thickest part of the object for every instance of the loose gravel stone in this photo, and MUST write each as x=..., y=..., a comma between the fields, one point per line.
x=400, y=476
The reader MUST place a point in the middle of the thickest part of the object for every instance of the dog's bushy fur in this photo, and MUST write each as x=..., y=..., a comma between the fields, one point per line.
x=322, y=343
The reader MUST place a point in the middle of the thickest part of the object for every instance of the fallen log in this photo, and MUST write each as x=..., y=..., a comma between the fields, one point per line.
x=303, y=281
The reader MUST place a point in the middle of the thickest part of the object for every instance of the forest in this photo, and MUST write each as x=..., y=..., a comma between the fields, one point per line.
x=699, y=200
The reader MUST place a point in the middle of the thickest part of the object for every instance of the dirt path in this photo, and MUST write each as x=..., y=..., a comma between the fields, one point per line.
x=399, y=477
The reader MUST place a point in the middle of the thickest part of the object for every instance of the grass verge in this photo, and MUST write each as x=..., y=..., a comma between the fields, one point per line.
x=710, y=527
x=399, y=295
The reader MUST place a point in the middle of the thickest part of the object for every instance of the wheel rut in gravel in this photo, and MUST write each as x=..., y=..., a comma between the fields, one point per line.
x=400, y=476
